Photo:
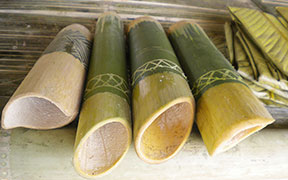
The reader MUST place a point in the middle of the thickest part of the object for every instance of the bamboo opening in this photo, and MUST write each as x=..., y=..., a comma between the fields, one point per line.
x=239, y=136
x=34, y=112
x=167, y=132
x=103, y=148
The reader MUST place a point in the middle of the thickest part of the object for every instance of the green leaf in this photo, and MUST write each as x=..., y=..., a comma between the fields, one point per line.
x=266, y=33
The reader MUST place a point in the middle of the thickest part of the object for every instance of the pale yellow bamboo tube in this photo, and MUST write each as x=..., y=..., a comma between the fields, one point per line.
x=227, y=114
x=163, y=106
x=49, y=96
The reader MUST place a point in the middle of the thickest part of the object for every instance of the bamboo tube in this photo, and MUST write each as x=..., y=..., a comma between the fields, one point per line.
x=104, y=130
x=227, y=111
x=163, y=106
x=49, y=96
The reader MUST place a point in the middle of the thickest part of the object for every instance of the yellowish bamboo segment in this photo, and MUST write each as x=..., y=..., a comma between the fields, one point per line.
x=227, y=110
x=163, y=106
x=104, y=130
x=49, y=96
x=227, y=114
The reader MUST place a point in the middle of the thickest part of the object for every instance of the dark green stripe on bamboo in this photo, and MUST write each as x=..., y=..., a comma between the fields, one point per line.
x=104, y=129
x=227, y=111
x=163, y=106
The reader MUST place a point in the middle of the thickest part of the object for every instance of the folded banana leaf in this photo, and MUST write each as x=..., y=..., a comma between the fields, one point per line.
x=266, y=32
x=266, y=96
x=283, y=21
x=283, y=11
x=229, y=36
x=268, y=73
x=270, y=85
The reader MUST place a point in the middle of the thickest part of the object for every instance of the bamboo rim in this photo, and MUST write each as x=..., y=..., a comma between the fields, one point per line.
x=109, y=13
x=135, y=22
x=152, y=119
x=34, y=95
x=121, y=122
x=179, y=24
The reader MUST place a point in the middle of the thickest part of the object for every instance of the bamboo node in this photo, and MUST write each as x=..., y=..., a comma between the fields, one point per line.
x=156, y=65
x=213, y=76
x=106, y=80
x=71, y=42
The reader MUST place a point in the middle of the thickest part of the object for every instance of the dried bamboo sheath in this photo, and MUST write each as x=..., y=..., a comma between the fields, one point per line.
x=50, y=95
x=163, y=106
x=104, y=130
x=227, y=111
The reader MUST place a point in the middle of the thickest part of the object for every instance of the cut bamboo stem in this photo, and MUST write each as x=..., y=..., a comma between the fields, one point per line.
x=49, y=96
x=227, y=111
x=104, y=130
x=163, y=106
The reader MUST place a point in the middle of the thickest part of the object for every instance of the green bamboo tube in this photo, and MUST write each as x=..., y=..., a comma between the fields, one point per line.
x=227, y=111
x=49, y=96
x=104, y=130
x=163, y=106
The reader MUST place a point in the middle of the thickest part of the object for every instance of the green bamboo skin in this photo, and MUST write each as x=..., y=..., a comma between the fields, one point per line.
x=163, y=106
x=104, y=129
x=227, y=111
x=49, y=97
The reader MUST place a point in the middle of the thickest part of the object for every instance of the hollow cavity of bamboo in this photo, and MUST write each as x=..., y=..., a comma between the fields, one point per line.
x=49, y=96
x=104, y=129
x=227, y=111
x=163, y=106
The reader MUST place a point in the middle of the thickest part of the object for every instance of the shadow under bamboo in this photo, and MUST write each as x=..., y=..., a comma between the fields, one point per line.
x=163, y=106
x=227, y=111
x=49, y=96
x=104, y=129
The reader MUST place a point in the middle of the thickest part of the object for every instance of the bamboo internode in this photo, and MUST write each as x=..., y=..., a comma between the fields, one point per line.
x=49, y=96
x=227, y=111
x=104, y=129
x=163, y=106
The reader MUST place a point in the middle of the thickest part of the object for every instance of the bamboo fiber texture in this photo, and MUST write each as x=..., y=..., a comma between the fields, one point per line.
x=49, y=96
x=227, y=111
x=163, y=106
x=104, y=129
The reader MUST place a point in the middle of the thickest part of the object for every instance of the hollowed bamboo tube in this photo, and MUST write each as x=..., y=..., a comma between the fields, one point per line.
x=227, y=111
x=163, y=106
x=50, y=94
x=104, y=129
